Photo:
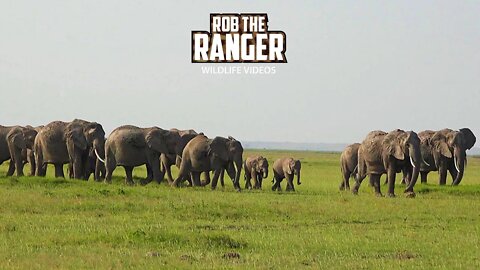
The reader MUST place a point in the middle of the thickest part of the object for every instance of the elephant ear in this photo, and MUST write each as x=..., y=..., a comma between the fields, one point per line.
x=184, y=139
x=396, y=151
x=76, y=138
x=470, y=138
x=19, y=141
x=156, y=141
x=290, y=166
x=218, y=147
x=442, y=148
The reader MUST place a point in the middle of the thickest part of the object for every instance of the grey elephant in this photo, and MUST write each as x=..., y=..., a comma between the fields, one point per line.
x=256, y=168
x=388, y=153
x=131, y=146
x=95, y=165
x=92, y=158
x=60, y=143
x=30, y=133
x=12, y=144
x=286, y=168
x=202, y=154
x=167, y=160
x=445, y=150
x=348, y=165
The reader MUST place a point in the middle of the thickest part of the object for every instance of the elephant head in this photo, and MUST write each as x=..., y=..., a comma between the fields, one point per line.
x=261, y=166
x=95, y=137
x=294, y=167
x=182, y=142
x=75, y=139
x=448, y=144
x=230, y=152
x=29, y=134
x=161, y=141
x=17, y=148
x=403, y=145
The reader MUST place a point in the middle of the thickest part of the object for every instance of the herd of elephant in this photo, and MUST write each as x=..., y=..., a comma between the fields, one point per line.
x=408, y=152
x=82, y=145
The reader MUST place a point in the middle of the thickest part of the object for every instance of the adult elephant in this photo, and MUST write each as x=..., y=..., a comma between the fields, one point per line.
x=256, y=167
x=348, y=164
x=92, y=158
x=388, y=153
x=167, y=160
x=202, y=154
x=60, y=143
x=12, y=144
x=96, y=165
x=131, y=146
x=445, y=150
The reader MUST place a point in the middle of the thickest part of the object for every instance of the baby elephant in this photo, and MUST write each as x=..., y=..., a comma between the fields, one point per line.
x=349, y=160
x=285, y=168
x=256, y=167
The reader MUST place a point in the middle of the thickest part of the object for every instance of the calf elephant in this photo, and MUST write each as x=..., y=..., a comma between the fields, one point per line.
x=445, y=150
x=30, y=133
x=202, y=154
x=286, y=168
x=60, y=143
x=388, y=153
x=348, y=164
x=12, y=144
x=256, y=167
x=131, y=146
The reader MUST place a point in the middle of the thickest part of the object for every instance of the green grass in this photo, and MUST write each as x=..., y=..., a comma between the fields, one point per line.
x=50, y=223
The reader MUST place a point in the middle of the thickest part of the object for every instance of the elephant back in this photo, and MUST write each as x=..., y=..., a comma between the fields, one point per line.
x=53, y=132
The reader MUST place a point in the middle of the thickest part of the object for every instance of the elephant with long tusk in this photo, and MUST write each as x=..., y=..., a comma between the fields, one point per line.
x=445, y=151
x=388, y=153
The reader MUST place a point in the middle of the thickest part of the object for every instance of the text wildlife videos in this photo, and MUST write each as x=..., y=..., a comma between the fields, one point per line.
x=239, y=38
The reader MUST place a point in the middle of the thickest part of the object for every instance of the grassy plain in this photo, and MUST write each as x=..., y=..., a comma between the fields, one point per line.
x=48, y=223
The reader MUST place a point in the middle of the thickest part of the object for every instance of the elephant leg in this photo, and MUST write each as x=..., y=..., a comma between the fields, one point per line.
x=345, y=180
x=11, y=168
x=128, y=175
x=375, y=180
x=222, y=178
x=358, y=181
x=453, y=172
x=207, y=178
x=248, y=184
x=70, y=171
x=168, y=171
x=59, y=171
x=41, y=169
x=289, y=178
x=391, y=182
x=216, y=175
x=149, y=177
x=276, y=183
x=110, y=165
x=442, y=171
x=31, y=160
x=423, y=176
x=258, y=182
x=195, y=176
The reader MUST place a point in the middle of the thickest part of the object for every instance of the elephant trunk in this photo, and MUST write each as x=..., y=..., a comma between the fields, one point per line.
x=265, y=174
x=415, y=160
x=298, y=178
x=99, y=149
x=459, y=158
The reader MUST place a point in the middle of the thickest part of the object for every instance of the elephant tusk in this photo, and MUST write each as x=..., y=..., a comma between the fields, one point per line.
x=99, y=158
x=411, y=161
x=456, y=165
x=426, y=163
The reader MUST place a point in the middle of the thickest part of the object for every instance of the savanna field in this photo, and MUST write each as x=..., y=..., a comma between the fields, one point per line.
x=48, y=223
